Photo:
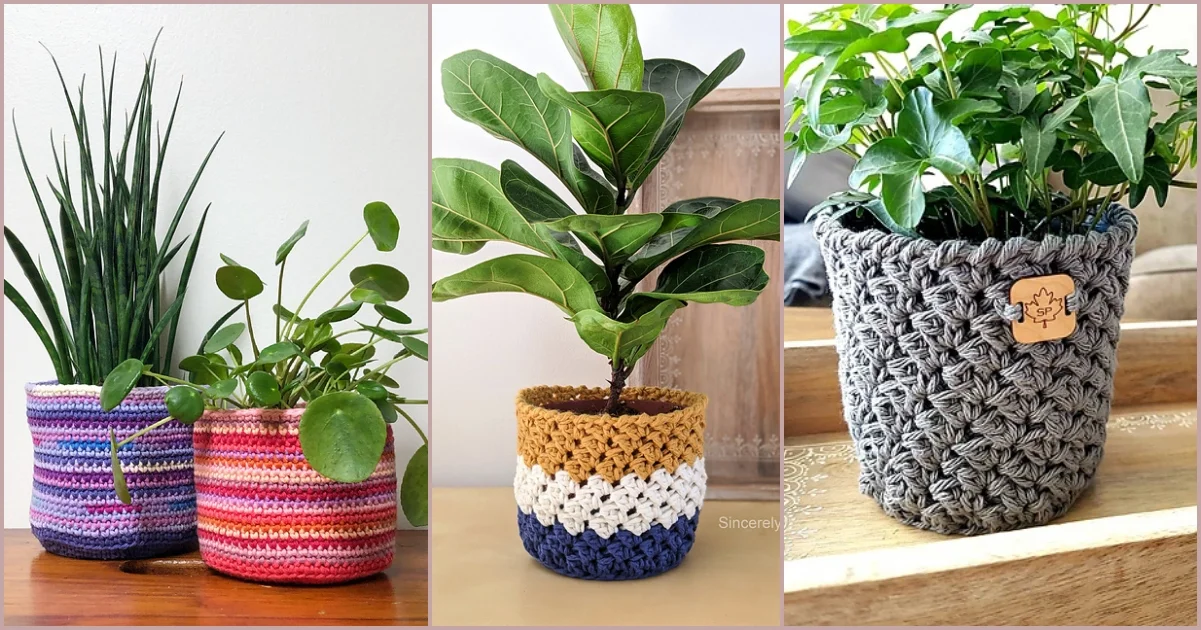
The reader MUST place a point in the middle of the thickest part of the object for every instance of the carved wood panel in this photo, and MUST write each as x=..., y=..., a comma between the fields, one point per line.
x=729, y=147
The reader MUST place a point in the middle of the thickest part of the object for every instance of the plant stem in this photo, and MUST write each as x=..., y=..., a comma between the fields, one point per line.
x=946, y=70
x=169, y=379
x=144, y=431
x=296, y=313
x=250, y=327
x=412, y=423
x=617, y=383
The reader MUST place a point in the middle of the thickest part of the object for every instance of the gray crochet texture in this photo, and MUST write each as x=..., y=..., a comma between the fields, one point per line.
x=958, y=428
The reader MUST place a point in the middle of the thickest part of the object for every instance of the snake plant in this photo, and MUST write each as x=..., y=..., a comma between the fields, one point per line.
x=111, y=268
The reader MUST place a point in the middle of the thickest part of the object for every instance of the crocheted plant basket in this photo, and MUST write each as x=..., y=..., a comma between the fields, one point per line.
x=267, y=516
x=605, y=498
x=957, y=427
x=75, y=511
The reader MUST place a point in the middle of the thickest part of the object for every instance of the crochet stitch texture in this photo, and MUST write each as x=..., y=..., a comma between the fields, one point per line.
x=957, y=427
x=75, y=511
x=606, y=498
x=267, y=516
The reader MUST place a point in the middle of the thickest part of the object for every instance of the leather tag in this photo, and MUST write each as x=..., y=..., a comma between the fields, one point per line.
x=1045, y=313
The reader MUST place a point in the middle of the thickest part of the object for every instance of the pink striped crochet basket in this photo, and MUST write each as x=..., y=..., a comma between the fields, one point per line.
x=265, y=515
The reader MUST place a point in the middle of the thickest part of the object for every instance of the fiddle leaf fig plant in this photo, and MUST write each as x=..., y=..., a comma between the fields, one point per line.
x=333, y=371
x=114, y=304
x=964, y=135
x=599, y=144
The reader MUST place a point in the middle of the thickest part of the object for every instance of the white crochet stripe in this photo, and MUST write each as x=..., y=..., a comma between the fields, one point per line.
x=634, y=504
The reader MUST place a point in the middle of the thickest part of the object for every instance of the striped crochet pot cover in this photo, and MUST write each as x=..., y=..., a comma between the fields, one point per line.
x=605, y=498
x=267, y=516
x=75, y=511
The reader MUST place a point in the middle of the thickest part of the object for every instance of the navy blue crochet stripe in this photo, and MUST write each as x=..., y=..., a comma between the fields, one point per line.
x=623, y=556
x=121, y=547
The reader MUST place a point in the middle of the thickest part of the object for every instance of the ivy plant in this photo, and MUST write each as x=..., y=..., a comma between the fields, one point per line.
x=599, y=144
x=114, y=303
x=965, y=135
x=327, y=363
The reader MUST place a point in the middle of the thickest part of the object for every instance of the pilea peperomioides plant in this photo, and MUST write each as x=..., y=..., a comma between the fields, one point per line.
x=347, y=395
x=600, y=144
x=995, y=113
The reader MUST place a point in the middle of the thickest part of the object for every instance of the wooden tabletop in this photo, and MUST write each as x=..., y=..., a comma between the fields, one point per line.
x=44, y=589
x=482, y=575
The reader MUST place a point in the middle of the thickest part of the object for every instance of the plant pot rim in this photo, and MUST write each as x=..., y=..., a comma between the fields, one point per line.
x=1122, y=228
x=530, y=399
x=254, y=413
x=86, y=389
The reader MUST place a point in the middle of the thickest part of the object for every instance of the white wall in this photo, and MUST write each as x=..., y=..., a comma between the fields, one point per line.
x=324, y=109
x=490, y=346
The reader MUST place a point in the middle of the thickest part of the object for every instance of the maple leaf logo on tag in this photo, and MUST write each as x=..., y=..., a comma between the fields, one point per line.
x=1043, y=307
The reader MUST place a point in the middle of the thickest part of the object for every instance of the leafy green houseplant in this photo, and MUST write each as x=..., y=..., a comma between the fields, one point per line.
x=315, y=405
x=113, y=300
x=589, y=259
x=984, y=204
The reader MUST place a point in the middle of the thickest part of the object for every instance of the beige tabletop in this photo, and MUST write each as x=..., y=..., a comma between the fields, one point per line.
x=481, y=575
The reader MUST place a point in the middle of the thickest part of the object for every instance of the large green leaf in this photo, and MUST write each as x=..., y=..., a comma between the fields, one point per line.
x=889, y=156
x=933, y=135
x=682, y=86
x=1121, y=112
x=343, y=435
x=507, y=103
x=1161, y=63
x=612, y=238
x=470, y=207
x=414, y=488
x=603, y=41
x=1037, y=144
x=730, y=274
x=624, y=341
x=960, y=109
x=747, y=220
x=547, y=278
x=903, y=198
x=1157, y=176
x=980, y=70
x=568, y=250
x=533, y=199
x=615, y=128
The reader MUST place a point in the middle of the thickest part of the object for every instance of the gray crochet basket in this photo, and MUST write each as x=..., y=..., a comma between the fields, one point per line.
x=959, y=429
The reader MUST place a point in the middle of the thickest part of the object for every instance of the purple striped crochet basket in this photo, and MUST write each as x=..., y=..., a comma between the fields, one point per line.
x=75, y=511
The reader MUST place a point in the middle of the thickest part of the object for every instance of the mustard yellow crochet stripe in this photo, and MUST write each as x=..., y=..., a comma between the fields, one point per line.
x=588, y=445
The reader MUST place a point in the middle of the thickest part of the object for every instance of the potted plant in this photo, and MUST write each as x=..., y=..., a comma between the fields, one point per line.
x=610, y=480
x=977, y=300
x=295, y=466
x=115, y=305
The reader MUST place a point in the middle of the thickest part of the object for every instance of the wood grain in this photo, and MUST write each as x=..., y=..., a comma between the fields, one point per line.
x=1138, y=569
x=1124, y=554
x=1150, y=464
x=1157, y=364
x=729, y=146
x=483, y=576
x=44, y=589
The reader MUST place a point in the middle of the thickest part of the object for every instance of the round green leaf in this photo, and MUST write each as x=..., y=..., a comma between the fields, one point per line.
x=223, y=338
x=418, y=347
x=222, y=389
x=414, y=488
x=238, y=283
x=367, y=296
x=372, y=390
x=386, y=410
x=283, y=313
x=286, y=248
x=119, y=383
x=277, y=352
x=383, y=279
x=263, y=388
x=118, y=474
x=382, y=225
x=184, y=404
x=342, y=435
x=393, y=314
x=229, y=261
x=340, y=312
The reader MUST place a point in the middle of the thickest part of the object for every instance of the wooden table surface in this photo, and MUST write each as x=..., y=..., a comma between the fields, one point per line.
x=44, y=589
x=482, y=575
